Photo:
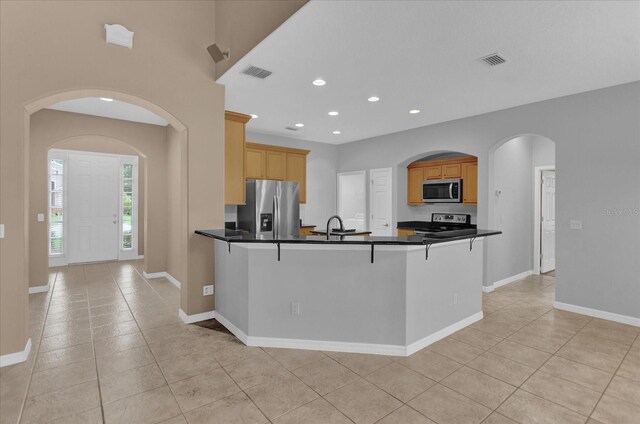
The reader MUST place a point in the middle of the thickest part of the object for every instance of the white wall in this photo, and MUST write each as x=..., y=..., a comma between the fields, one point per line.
x=597, y=136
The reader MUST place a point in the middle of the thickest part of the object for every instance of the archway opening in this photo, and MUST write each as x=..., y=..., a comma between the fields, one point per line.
x=521, y=203
x=161, y=150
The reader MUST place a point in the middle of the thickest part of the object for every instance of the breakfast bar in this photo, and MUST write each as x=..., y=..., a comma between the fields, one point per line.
x=381, y=295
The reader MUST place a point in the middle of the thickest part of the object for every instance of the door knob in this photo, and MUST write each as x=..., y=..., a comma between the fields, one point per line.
x=386, y=225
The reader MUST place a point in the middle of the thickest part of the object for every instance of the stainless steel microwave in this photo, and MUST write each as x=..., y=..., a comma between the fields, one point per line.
x=442, y=191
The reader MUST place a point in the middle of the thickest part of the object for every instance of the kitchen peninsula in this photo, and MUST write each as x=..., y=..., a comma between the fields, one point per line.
x=381, y=295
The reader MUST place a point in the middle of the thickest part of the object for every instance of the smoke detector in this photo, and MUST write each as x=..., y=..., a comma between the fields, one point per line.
x=494, y=59
x=254, y=71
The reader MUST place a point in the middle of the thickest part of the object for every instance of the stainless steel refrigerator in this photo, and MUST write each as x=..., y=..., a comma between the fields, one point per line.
x=273, y=208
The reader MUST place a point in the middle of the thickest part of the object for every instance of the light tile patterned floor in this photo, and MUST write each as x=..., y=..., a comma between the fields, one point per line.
x=108, y=347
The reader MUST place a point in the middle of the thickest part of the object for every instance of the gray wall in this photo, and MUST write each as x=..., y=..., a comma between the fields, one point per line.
x=597, y=136
x=321, y=176
x=512, y=211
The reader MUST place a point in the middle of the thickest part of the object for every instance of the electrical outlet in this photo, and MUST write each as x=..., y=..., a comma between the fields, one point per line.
x=455, y=298
x=1, y=231
x=295, y=308
x=207, y=290
x=40, y=217
x=575, y=224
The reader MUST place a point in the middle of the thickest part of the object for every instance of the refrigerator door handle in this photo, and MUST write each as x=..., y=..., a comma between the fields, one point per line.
x=276, y=216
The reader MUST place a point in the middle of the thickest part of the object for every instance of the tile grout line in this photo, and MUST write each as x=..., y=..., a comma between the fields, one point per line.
x=146, y=344
x=612, y=377
x=36, y=353
x=536, y=370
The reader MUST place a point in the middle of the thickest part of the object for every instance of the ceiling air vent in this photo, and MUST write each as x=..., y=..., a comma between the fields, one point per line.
x=493, y=59
x=254, y=71
x=292, y=128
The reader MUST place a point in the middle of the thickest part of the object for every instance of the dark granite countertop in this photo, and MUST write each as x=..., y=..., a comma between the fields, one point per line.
x=232, y=236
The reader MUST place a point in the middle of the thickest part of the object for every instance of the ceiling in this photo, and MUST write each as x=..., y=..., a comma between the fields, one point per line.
x=424, y=55
x=114, y=109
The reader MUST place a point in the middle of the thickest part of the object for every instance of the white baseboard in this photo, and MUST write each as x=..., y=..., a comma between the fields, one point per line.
x=439, y=335
x=39, y=289
x=190, y=319
x=56, y=261
x=611, y=316
x=16, y=357
x=234, y=330
x=505, y=281
x=333, y=346
x=139, y=257
x=164, y=274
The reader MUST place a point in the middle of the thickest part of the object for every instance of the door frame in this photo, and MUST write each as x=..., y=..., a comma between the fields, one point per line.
x=370, y=192
x=63, y=154
x=537, y=204
x=338, y=194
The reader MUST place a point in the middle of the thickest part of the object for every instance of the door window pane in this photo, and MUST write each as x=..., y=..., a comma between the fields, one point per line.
x=56, y=198
x=127, y=206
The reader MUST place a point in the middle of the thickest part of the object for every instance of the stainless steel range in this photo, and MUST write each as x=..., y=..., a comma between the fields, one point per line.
x=446, y=225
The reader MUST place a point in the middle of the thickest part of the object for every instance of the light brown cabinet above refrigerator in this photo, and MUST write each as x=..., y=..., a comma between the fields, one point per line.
x=250, y=161
x=267, y=162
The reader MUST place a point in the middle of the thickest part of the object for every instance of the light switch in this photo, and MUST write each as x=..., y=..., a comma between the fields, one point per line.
x=1, y=231
x=575, y=224
x=40, y=217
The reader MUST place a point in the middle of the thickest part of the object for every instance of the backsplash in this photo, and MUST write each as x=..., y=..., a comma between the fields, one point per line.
x=423, y=212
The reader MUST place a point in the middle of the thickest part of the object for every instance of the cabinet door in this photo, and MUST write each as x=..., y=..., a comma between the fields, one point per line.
x=433, y=172
x=255, y=164
x=405, y=232
x=451, y=171
x=234, y=187
x=470, y=183
x=276, y=166
x=414, y=186
x=297, y=172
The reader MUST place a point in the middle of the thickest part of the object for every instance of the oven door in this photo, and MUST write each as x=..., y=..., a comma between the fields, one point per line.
x=442, y=191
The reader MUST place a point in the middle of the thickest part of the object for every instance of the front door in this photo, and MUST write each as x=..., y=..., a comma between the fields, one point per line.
x=548, y=222
x=380, y=202
x=93, y=208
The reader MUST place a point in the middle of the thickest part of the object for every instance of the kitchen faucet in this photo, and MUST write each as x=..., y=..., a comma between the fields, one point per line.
x=329, y=223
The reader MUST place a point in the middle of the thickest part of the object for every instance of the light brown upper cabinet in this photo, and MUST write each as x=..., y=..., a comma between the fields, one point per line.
x=470, y=183
x=462, y=167
x=297, y=171
x=255, y=164
x=267, y=162
x=451, y=170
x=234, y=141
x=276, y=166
x=414, y=188
x=433, y=172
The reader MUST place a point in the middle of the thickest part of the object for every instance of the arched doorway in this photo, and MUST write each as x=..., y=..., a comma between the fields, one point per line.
x=155, y=241
x=517, y=165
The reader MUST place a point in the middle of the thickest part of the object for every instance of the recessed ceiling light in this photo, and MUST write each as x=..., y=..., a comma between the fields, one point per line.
x=337, y=132
x=106, y=99
x=414, y=111
x=333, y=113
x=319, y=82
x=373, y=99
x=254, y=116
x=300, y=125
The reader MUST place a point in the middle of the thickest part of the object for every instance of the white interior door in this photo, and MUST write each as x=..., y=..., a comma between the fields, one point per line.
x=380, y=199
x=352, y=199
x=93, y=210
x=548, y=222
